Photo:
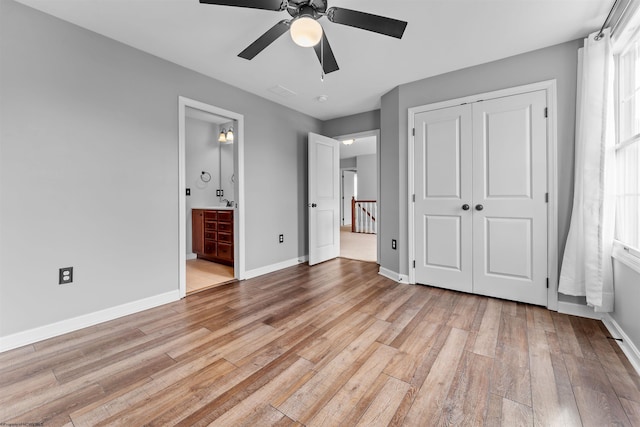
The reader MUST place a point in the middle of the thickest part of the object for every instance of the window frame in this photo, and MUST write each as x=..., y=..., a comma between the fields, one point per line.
x=623, y=251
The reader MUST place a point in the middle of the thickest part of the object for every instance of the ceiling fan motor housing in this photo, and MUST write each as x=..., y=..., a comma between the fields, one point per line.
x=311, y=8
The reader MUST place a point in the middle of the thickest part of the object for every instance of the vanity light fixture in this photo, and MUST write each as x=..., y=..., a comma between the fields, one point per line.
x=222, y=137
x=229, y=137
x=348, y=141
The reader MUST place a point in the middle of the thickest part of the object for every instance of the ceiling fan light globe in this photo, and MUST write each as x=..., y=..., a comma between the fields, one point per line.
x=305, y=31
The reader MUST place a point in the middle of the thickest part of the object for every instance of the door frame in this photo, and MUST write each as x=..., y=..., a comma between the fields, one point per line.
x=549, y=86
x=376, y=133
x=239, y=219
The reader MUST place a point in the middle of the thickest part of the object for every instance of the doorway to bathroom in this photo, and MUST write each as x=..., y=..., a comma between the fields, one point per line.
x=211, y=195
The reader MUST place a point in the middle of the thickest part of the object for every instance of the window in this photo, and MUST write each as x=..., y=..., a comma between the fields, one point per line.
x=628, y=146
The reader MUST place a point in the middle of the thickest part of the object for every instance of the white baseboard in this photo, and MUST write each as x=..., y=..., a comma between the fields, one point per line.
x=192, y=256
x=396, y=277
x=31, y=336
x=250, y=274
x=579, y=310
x=628, y=347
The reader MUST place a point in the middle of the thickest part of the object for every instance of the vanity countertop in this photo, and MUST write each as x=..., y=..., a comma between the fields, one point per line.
x=214, y=208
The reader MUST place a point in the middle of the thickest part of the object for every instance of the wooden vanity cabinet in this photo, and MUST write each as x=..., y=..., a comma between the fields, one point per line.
x=197, y=227
x=213, y=235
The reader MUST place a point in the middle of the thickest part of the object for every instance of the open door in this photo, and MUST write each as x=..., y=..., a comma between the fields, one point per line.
x=324, y=198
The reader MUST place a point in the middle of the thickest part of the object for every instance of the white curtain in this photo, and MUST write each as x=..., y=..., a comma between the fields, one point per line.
x=587, y=265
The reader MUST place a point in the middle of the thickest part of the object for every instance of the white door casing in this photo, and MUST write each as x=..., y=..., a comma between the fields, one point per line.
x=239, y=215
x=324, y=198
x=491, y=157
x=442, y=159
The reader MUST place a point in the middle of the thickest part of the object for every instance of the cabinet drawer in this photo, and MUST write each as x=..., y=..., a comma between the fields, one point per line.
x=225, y=226
x=210, y=248
x=225, y=237
x=211, y=215
x=210, y=235
x=210, y=225
x=225, y=251
x=225, y=216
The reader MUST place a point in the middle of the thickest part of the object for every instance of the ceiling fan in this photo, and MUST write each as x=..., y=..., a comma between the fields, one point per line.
x=305, y=29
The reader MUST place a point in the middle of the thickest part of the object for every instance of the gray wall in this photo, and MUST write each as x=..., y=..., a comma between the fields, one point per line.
x=556, y=62
x=367, y=177
x=626, y=297
x=389, y=213
x=89, y=170
x=348, y=163
x=356, y=123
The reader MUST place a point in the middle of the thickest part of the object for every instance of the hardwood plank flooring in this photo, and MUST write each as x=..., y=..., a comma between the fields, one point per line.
x=332, y=345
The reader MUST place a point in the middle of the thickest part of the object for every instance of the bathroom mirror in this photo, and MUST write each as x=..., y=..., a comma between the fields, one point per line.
x=226, y=166
x=210, y=160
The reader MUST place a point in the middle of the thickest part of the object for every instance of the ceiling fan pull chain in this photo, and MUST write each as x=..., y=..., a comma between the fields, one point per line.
x=322, y=58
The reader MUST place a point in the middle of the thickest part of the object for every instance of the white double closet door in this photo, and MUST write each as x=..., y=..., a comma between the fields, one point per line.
x=480, y=198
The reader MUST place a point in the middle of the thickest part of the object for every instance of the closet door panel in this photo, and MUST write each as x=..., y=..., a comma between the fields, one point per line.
x=442, y=167
x=509, y=206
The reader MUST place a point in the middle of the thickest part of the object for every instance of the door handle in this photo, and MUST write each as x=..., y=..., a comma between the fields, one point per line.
x=479, y=207
x=312, y=205
x=465, y=207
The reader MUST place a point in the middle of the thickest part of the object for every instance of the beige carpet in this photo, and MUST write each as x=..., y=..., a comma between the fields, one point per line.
x=358, y=246
x=202, y=274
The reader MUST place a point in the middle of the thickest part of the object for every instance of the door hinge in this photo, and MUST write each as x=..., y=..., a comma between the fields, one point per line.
x=547, y=283
x=546, y=112
x=413, y=197
x=414, y=132
x=414, y=263
x=546, y=197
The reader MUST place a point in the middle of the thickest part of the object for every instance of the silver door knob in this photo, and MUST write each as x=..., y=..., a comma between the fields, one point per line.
x=479, y=207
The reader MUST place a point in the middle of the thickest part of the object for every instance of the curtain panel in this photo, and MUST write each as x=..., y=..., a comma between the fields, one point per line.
x=587, y=265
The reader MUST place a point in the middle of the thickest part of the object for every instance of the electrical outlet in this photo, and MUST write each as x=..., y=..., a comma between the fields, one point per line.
x=65, y=275
x=394, y=244
x=281, y=238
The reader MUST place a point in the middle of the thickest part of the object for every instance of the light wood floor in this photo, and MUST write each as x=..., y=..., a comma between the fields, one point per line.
x=202, y=274
x=335, y=344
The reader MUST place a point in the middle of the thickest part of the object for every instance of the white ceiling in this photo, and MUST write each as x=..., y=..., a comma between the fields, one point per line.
x=442, y=36
x=360, y=147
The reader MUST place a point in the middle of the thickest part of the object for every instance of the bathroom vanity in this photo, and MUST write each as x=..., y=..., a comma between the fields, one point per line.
x=212, y=232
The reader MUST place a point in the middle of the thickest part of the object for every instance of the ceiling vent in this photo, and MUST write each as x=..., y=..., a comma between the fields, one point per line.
x=282, y=91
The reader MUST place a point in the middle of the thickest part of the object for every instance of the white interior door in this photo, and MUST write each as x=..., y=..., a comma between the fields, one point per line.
x=442, y=182
x=347, y=195
x=510, y=185
x=324, y=198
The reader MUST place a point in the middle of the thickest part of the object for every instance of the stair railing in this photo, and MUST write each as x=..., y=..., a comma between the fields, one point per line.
x=363, y=216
